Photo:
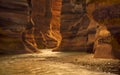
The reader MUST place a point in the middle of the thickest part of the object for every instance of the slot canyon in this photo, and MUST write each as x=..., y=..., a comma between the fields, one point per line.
x=72, y=32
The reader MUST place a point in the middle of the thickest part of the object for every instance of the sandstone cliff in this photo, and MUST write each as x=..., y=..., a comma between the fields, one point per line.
x=66, y=25
x=91, y=25
x=14, y=27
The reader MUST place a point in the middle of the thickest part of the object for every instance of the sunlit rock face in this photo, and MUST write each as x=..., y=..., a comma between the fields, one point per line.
x=107, y=14
x=102, y=45
x=54, y=32
x=74, y=24
x=46, y=16
x=13, y=24
x=42, y=15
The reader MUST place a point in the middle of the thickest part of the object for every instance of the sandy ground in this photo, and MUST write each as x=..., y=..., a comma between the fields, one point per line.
x=57, y=63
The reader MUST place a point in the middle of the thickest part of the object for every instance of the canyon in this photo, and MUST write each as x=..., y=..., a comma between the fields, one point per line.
x=90, y=26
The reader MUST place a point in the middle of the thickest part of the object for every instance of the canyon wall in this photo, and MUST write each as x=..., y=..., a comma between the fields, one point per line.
x=15, y=29
x=91, y=26
x=46, y=16
x=27, y=25
x=41, y=16
x=54, y=32
x=66, y=25
x=107, y=15
x=74, y=26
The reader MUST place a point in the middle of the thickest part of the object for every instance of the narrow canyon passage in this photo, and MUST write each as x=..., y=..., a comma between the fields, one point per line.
x=65, y=25
x=59, y=37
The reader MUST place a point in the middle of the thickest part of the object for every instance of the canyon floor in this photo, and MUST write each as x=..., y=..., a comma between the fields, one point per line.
x=57, y=63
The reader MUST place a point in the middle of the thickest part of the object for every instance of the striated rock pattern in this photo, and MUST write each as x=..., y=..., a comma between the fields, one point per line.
x=41, y=16
x=68, y=25
x=46, y=17
x=95, y=31
x=46, y=30
x=74, y=24
x=14, y=28
x=107, y=14
x=54, y=32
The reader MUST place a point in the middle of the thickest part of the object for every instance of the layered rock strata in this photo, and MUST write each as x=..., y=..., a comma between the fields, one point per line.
x=13, y=28
x=107, y=15
x=74, y=26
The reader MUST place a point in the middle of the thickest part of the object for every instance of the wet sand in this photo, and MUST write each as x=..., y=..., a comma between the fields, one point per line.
x=57, y=63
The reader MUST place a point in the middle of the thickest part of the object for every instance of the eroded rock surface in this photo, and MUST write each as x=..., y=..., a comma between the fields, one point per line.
x=91, y=26
x=14, y=27
x=107, y=14
x=74, y=26
x=69, y=25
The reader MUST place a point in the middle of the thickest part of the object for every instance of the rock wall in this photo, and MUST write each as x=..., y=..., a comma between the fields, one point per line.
x=54, y=32
x=107, y=14
x=46, y=19
x=41, y=16
x=74, y=26
x=14, y=28
x=91, y=26
x=22, y=21
x=69, y=25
